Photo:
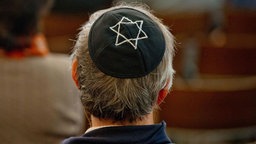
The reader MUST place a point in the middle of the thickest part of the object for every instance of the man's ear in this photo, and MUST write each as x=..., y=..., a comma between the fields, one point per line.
x=74, y=72
x=163, y=93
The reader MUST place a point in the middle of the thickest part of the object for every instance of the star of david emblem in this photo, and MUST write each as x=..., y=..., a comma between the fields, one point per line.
x=121, y=38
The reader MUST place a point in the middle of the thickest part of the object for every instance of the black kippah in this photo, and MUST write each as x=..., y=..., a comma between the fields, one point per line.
x=126, y=43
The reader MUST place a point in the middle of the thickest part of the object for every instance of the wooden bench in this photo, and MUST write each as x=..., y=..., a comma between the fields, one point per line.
x=227, y=61
x=211, y=103
x=61, y=30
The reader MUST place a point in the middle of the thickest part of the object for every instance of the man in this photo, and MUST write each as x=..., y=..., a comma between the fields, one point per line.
x=122, y=64
x=39, y=103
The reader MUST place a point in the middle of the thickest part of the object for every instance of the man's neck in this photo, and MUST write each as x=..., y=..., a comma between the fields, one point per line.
x=146, y=120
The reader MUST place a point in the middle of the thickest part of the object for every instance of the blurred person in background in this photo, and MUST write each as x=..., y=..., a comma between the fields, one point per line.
x=38, y=102
x=122, y=64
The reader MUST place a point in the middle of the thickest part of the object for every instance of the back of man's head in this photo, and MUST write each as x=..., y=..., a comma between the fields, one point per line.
x=122, y=59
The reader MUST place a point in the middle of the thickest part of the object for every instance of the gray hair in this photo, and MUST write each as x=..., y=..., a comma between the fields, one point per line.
x=120, y=99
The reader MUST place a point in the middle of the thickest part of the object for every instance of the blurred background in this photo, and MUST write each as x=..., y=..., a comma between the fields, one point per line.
x=213, y=99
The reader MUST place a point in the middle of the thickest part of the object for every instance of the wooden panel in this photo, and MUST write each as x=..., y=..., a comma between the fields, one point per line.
x=61, y=30
x=186, y=23
x=240, y=21
x=63, y=24
x=224, y=60
x=210, y=109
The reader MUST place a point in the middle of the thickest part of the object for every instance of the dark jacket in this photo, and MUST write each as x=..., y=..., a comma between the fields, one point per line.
x=147, y=134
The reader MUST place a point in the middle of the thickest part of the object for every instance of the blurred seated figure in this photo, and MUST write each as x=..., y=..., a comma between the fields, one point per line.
x=38, y=103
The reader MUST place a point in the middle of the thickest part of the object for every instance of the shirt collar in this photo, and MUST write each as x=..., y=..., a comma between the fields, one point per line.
x=94, y=128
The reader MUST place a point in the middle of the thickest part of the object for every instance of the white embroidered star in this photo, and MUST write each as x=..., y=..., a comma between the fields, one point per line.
x=134, y=40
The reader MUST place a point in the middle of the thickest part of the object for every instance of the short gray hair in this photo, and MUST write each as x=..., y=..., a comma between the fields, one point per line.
x=120, y=99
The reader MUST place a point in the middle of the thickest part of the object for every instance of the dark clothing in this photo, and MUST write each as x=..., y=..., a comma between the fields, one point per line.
x=147, y=134
x=80, y=6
